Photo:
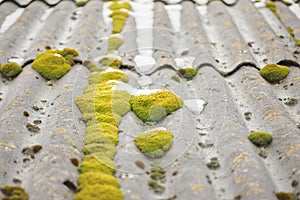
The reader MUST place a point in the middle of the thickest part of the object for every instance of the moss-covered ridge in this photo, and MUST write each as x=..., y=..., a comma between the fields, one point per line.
x=119, y=15
x=14, y=193
x=154, y=107
x=54, y=63
x=102, y=109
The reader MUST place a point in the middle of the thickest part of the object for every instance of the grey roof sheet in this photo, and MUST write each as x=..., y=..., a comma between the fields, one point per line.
x=230, y=44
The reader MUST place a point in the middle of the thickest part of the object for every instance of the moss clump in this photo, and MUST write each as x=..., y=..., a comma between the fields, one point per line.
x=97, y=163
x=154, y=107
x=94, y=118
x=260, y=139
x=118, y=23
x=292, y=34
x=102, y=77
x=54, y=64
x=10, y=70
x=14, y=193
x=274, y=73
x=108, y=131
x=114, y=42
x=272, y=6
x=107, y=149
x=109, y=102
x=284, y=196
x=119, y=5
x=99, y=192
x=154, y=143
x=81, y=3
x=156, y=186
x=188, y=73
x=97, y=178
x=111, y=62
x=122, y=13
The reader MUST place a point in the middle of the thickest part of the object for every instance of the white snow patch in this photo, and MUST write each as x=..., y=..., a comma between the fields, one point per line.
x=106, y=12
x=184, y=62
x=139, y=92
x=10, y=19
x=295, y=8
x=174, y=12
x=194, y=105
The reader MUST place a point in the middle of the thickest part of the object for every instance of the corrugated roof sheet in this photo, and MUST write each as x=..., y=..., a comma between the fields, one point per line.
x=228, y=45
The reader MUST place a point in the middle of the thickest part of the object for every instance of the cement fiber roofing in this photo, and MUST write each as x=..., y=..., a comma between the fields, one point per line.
x=228, y=42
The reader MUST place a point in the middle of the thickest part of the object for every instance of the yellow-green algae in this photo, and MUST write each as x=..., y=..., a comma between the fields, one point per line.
x=97, y=163
x=99, y=192
x=154, y=143
x=119, y=15
x=274, y=73
x=54, y=64
x=154, y=107
x=81, y=3
x=188, y=73
x=14, y=193
x=97, y=178
x=10, y=70
x=284, y=196
x=114, y=42
x=260, y=139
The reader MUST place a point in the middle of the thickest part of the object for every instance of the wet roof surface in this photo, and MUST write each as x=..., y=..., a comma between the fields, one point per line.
x=227, y=44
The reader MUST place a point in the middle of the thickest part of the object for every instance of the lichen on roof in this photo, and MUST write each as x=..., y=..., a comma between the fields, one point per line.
x=188, y=73
x=154, y=143
x=14, y=193
x=260, y=139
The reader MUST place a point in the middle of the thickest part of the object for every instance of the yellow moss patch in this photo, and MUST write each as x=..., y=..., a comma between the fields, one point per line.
x=14, y=193
x=154, y=107
x=154, y=143
x=10, y=70
x=104, y=149
x=101, y=77
x=274, y=73
x=97, y=178
x=260, y=138
x=119, y=5
x=99, y=192
x=54, y=64
x=111, y=61
x=114, y=42
x=272, y=6
x=94, y=118
x=97, y=163
x=109, y=131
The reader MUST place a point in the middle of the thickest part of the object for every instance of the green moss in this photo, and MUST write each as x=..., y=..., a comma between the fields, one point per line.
x=111, y=62
x=272, y=6
x=108, y=131
x=96, y=178
x=274, y=73
x=119, y=5
x=101, y=77
x=154, y=107
x=187, y=73
x=54, y=64
x=119, y=13
x=14, y=193
x=260, y=138
x=284, y=196
x=105, y=149
x=114, y=42
x=154, y=143
x=81, y=3
x=97, y=163
x=10, y=70
x=99, y=192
